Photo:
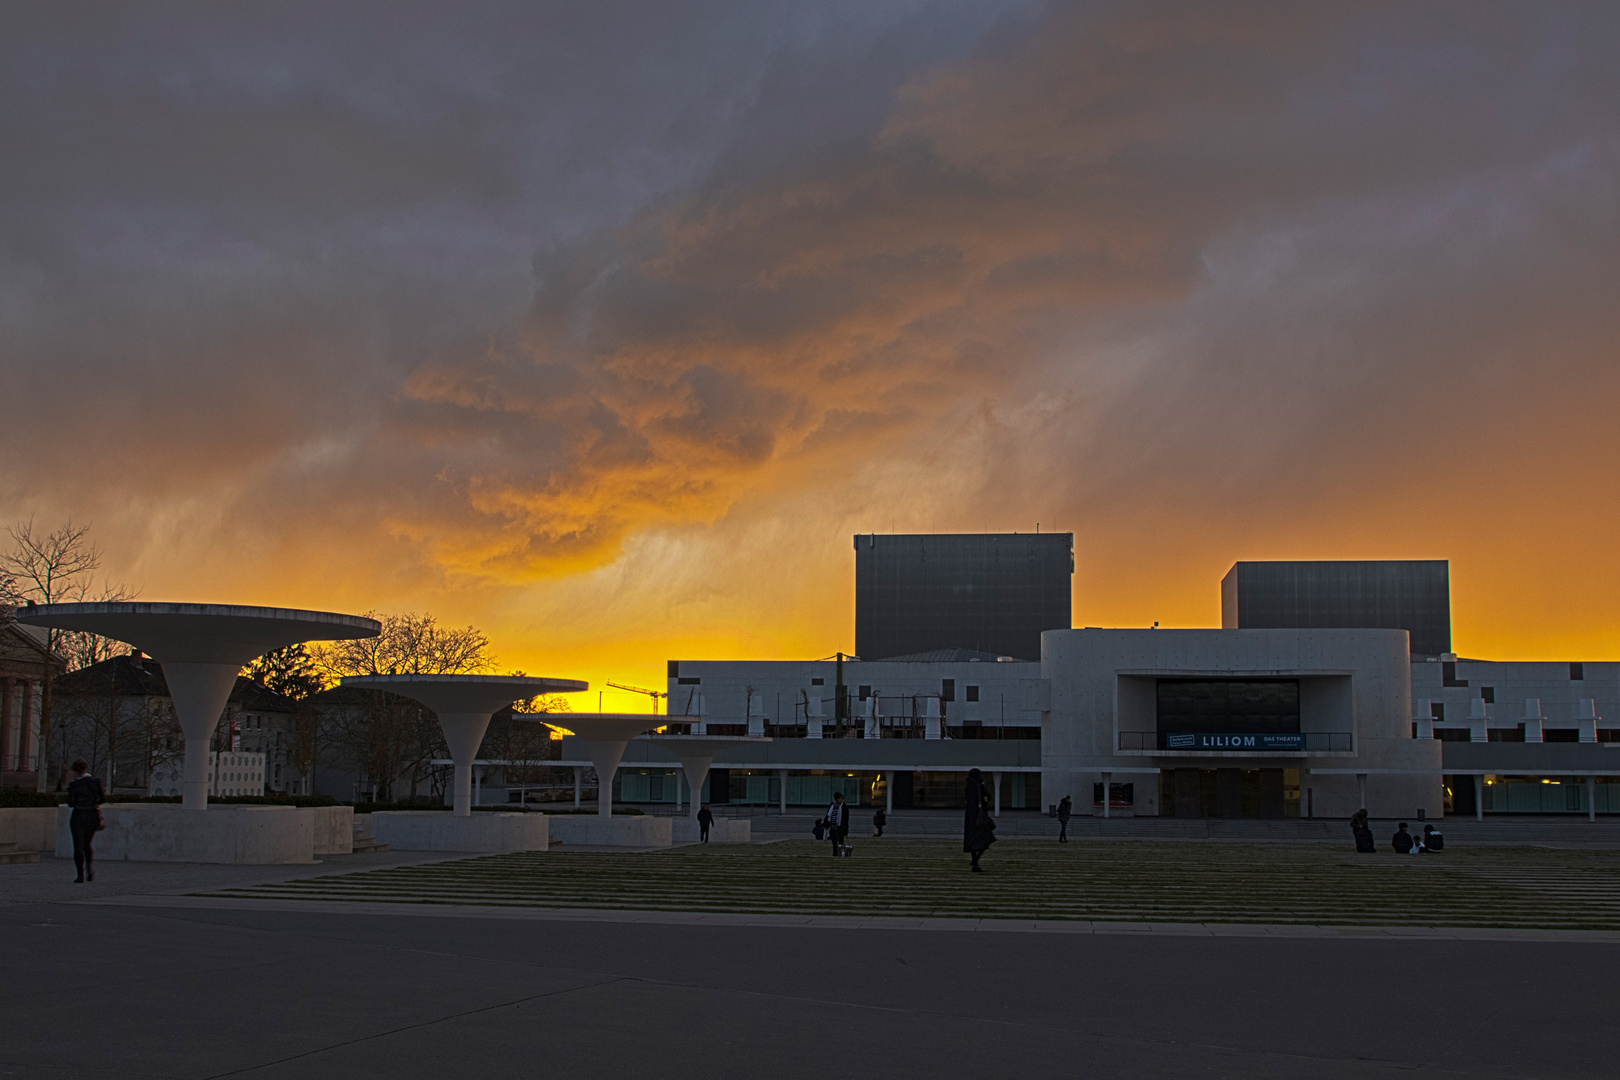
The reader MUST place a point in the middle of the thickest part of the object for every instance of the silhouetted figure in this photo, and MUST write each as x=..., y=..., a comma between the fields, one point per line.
x=84, y=795
x=879, y=820
x=705, y=819
x=1401, y=841
x=1365, y=844
x=1065, y=811
x=978, y=827
x=837, y=822
x=1433, y=840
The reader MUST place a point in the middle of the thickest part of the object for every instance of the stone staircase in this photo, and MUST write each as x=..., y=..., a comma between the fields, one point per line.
x=364, y=842
x=10, y=854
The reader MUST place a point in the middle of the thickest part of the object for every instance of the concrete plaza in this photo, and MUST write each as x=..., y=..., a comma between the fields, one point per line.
x=151, y=980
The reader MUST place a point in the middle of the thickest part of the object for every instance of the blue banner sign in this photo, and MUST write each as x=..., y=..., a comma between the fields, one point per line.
x=1189, y=741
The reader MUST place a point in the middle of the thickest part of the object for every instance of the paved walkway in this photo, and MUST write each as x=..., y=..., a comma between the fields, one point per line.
x=367, y=993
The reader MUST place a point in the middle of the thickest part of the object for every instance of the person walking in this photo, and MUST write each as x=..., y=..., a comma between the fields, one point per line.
x=837, y=821
x=705, y=819
x=879, y=820
x=1365, y=844
x=978, y=827
x=1065, y=811
x=84, y=795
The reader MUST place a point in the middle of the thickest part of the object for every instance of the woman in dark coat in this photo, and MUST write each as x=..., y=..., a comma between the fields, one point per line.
x=978, y=827
x=84, y=796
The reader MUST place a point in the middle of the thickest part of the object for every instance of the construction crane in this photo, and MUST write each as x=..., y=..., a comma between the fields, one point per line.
x=654, y=694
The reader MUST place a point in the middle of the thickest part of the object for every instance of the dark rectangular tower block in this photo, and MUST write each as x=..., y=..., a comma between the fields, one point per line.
x=990, y=593
x=1413, y=595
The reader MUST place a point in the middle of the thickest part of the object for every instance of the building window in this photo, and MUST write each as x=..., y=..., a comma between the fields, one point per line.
x=683, y=681
x=1577, y=672
x=1487, y=694
x=973, y=693
x=947, y=690
x=866, y=692
x=1437, y=709
x=818, y=682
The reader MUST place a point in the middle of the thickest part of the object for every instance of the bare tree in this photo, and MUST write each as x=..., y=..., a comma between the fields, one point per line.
x=49, y=568
x=382, y=735
x=409, y=644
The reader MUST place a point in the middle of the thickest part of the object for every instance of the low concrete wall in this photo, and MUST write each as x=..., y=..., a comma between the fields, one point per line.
x=31, y=828
x=440, y=830
x=724, y=831
x=164, y=832
x=617, y=831
x=334, y=829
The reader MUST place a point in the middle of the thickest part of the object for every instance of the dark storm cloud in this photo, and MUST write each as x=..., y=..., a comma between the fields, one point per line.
x=503, y=285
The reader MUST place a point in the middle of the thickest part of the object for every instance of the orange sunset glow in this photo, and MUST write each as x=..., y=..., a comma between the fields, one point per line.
x=606, y=334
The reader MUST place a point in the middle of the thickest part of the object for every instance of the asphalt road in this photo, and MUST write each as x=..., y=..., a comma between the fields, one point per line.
x=132, y=992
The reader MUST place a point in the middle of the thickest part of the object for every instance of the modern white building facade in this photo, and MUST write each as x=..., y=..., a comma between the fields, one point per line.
x=1235, y=723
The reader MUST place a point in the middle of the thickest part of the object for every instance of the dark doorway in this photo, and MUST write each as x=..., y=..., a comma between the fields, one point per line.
x=1224, y=793
x=719, y=786
x=1229, y=793
x=1460, y=790
x=901, y=789
x=1271, y=793
x=1188, y=793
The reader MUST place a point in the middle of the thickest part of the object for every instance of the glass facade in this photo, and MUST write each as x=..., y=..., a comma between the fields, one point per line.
x=1229, y=706
x=815, y=787
x=1547, y=794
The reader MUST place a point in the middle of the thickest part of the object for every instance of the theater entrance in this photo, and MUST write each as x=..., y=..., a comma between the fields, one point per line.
x=1229, y=793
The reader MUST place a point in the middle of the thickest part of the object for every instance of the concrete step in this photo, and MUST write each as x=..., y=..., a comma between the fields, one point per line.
x=10, y=855
x=367, y=846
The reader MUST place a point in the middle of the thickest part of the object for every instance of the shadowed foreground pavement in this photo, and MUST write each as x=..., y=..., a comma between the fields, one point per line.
x=158, y=992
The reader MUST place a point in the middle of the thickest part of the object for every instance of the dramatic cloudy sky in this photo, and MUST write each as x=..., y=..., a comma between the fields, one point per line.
x=604, y=326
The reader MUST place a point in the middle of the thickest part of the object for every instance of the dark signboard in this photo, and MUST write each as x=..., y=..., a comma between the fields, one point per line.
x=1228, y=742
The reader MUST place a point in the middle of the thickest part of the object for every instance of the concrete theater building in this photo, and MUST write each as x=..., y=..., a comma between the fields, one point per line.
x=1329, y=687
x=1236, y=723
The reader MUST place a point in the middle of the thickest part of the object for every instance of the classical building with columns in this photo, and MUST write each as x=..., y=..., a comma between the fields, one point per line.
x=23, y=655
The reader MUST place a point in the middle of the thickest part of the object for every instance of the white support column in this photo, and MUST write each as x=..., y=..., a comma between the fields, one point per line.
x=1361, y=788
x=1477, y=721
x=1532, y=720
x=1588, y=720
x=931, y=722
x=1479, y=797
x=1107, y=778
x=1591, y=798
x=579, y=782
x=781, y=784
x=1423, y=720
x=995, y=778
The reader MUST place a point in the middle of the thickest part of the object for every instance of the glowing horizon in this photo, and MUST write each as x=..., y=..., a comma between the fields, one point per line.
x=604, y=335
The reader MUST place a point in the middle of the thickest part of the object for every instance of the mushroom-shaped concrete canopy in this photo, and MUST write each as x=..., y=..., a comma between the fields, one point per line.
x=605, y=736
x=201, y=648
x=464, y=704
x=696, y=753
